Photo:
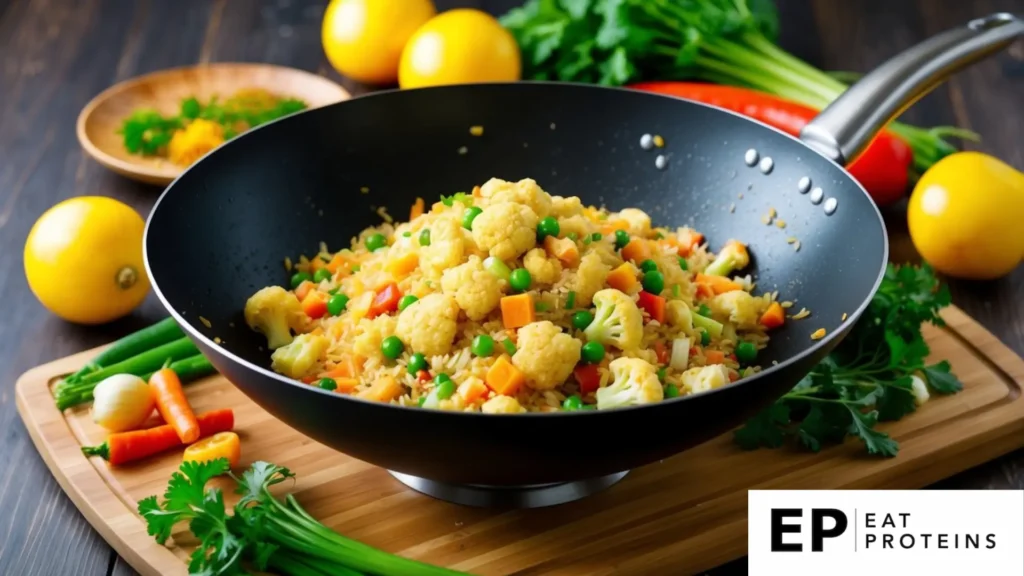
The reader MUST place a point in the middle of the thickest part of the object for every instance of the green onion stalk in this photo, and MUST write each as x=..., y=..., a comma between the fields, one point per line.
x=618, y=42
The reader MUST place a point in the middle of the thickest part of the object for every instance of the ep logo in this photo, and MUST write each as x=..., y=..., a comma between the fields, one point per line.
x=823, y=523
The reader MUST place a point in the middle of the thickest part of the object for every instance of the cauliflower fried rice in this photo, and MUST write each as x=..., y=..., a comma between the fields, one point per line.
x=511, y=300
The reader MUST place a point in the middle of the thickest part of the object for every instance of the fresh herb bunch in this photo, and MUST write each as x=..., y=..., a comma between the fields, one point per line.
x=616, y=42
x=147, y=132
x=869, y=377
x=263, y=533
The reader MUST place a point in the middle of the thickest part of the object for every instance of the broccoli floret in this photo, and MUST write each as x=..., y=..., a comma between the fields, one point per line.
x=734, y=256
x=636, y=382
x=617, y=320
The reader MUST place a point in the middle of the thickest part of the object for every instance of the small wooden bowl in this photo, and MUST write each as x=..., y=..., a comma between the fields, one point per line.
x=100, y=120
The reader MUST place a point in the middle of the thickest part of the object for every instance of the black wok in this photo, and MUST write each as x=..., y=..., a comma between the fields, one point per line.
x=221, y=231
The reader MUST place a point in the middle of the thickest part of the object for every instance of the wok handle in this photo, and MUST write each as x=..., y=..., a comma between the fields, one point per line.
x=843, y=129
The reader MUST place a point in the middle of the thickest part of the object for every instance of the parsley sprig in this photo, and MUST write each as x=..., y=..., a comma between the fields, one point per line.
x=263, y=533
x=869, y=377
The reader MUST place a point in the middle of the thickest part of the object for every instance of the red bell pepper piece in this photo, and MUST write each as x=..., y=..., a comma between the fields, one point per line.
x=587, y=377
x=386, y=300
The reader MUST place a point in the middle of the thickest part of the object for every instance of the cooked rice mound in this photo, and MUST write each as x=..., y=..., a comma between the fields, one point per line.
x=587, y=332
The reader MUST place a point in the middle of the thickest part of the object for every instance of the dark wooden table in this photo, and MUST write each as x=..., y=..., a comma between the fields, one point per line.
x=56, y=55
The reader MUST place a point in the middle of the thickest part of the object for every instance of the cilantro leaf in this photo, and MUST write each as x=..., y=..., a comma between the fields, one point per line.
x=159, y=523
x=896, y=400
x=825, y=423
x=765, y=429
x=876, y=442
x=188, y=485
x=940, y=379
x=259, y=477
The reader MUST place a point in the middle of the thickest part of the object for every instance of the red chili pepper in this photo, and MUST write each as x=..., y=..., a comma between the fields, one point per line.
x=661, y=351
x=653, y=304
x=385, y=301
x=423, y=376
x=883, y=168
x=587, y=377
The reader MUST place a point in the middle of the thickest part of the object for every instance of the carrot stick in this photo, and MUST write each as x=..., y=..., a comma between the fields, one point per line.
x=125, y=447
x=172, y=404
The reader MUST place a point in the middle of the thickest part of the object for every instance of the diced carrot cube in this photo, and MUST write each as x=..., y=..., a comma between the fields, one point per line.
x=637, y=250
x=718, y=284
x=517, y=311
x=315, y=304
x=346, y=385
x=623, y=278
x=688, y=241
x=564, y=249
x=504, y=378
x=774, y=316
x=303, y=290
x=403, y=265
x=472, y=390
x=384, y=389
x=714, y=356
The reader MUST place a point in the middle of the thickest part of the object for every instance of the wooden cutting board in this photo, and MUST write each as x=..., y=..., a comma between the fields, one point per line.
x=680, y=516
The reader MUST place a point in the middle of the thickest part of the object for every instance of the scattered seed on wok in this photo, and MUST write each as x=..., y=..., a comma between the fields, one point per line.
x=288, y=264
x=647, y=142
x=364, y=190
x=780, y=223
x=796, y=246
x=818, y=334
x=463, y=151
x=217, y=340
x=476, y=130
x=843, y=319
x=791, y=240
x=786, y=304
x=732, y=207
x=660, y=162
x=383, y=213
x=552, y=125
x=205, y=322
x=803, y=313
x=766, y=220
x=658, y=141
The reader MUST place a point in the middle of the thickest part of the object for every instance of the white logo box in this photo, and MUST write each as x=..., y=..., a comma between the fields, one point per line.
x=897, y=532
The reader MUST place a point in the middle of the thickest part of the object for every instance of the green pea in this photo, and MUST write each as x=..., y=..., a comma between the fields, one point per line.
x=406, y=234
x=548, y=226
x=662, y=373
x=648, y=266
x=704, y=311
x=654, y=282
x=336, y=304
x=391, y=347
x=582, y=319
x=321, y=275
x=596, y=236
x=572, y=403
x=683, y=264
x=482, y=346
x=356, y=268
x=425, y=237
x=299, y=278
x=417, y=362
x=469, y=215
x=746, y=352
x=442, y=377
x=520, y=279
x=445, y=390
x=592, y=352
x=671, y=391
x=406, y=301
x=572, y=236
x=327, y=384
x=705, y=338
x=510, y=348
x=621, y=239
x=375, y=241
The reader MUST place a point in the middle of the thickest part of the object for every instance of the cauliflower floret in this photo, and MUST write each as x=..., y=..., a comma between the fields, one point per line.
x=590, y=277
x=545, y=355
x=372, y=333
x=734, y=256
x=525, y=192
x=505, y=230
x=617, y=320
x=295, y=360
x=274, y=312
x=679, y=316
x=475, y=289
x=578, y=225
x=542, y=269
x=705, y=378
x=638, y=220
x=428, y=326
x=566, y=207
x=740, y=307
x=446, y=248
x=635, y=382
x=502, y=405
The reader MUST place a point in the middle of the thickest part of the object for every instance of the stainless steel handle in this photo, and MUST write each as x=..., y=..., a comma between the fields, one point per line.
x=848, y=124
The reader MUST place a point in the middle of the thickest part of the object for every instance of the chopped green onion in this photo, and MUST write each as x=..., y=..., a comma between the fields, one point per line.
x=541, y=306
x=570, y=302
x=498, y=268
x=510, y=348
